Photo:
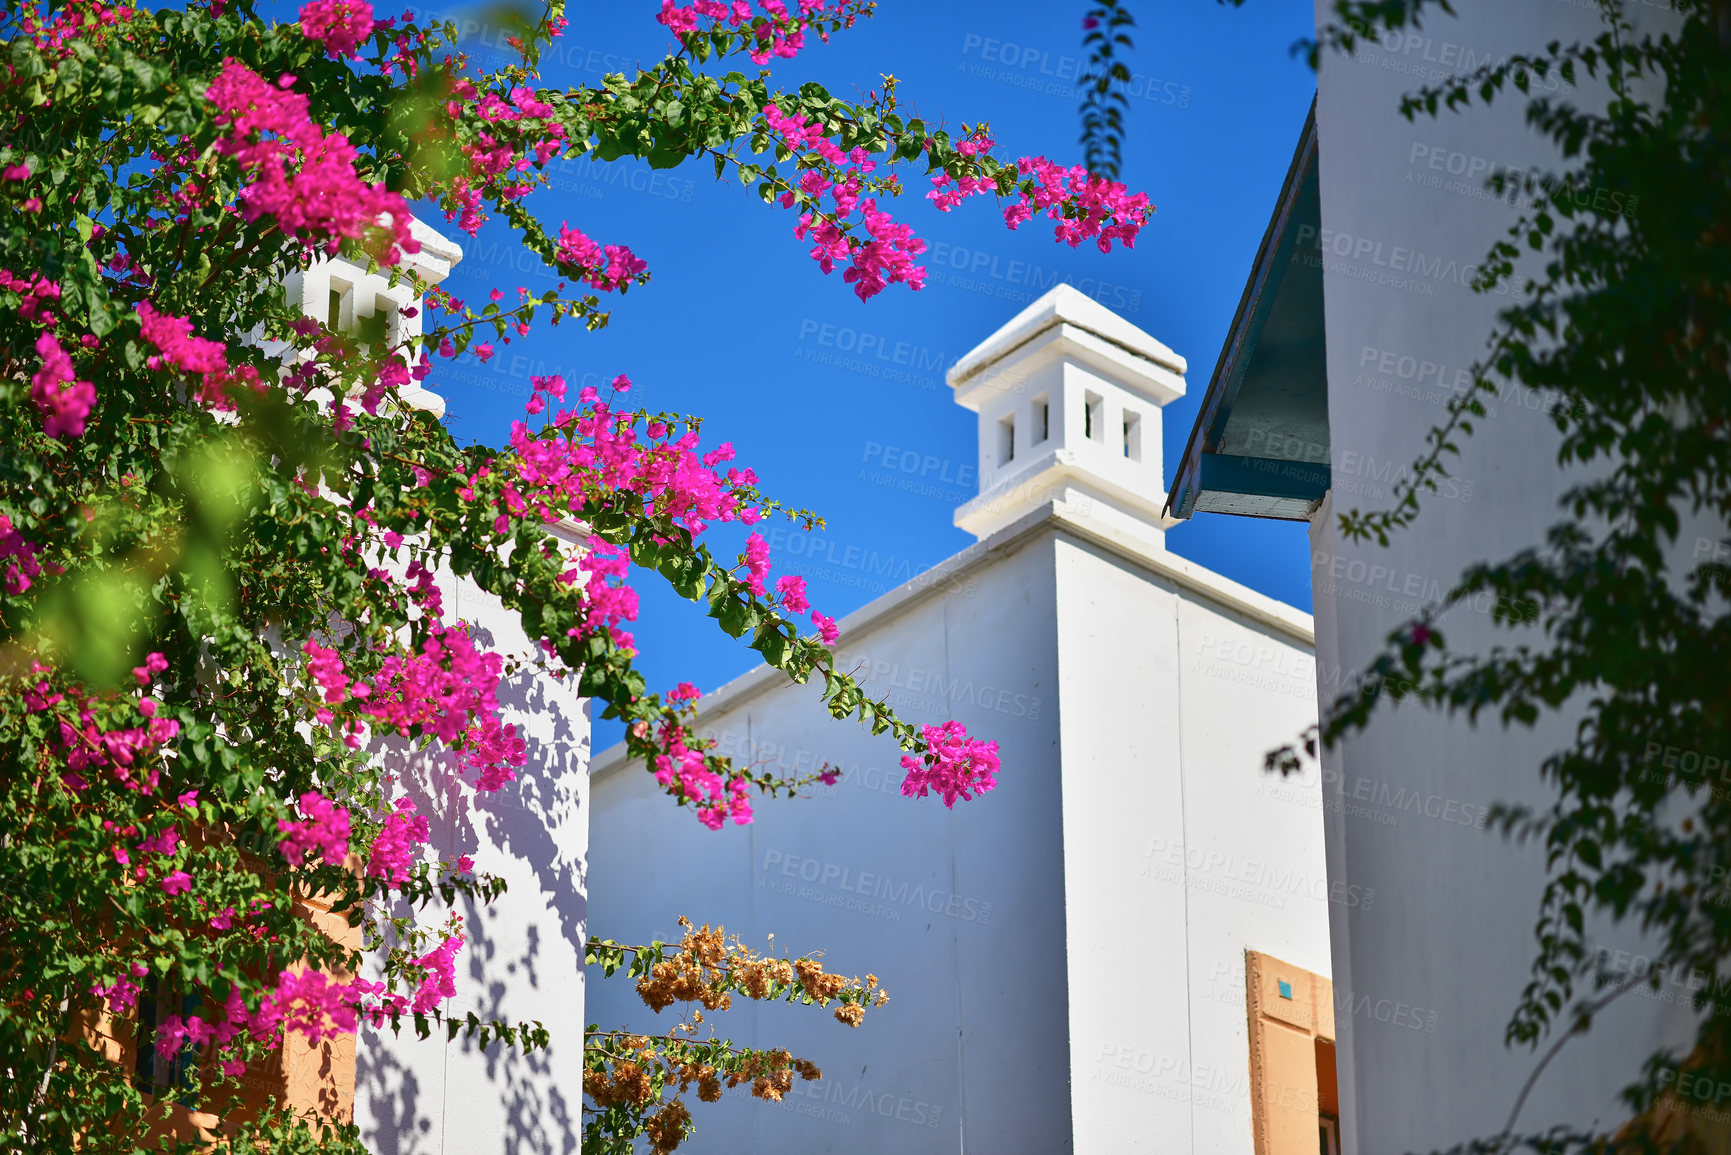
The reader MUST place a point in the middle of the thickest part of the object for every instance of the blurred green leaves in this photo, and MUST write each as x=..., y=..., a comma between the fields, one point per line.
x=98, y=615
x=94, y=619
x=219, y=482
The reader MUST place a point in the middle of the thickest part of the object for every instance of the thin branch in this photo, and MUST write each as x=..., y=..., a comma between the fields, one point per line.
x=1583, y=1017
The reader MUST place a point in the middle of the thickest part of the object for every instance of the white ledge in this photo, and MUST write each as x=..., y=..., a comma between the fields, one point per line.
x=1066, y=308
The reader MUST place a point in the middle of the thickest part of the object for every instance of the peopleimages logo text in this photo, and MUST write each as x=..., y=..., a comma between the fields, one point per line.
x=938, y=685
x=864, y=343
x=1411, y=268
x=1062, y=72
x=974, y=263
x=876, y=886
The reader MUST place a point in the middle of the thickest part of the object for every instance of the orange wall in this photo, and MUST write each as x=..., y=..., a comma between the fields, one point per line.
x=1291, y=1054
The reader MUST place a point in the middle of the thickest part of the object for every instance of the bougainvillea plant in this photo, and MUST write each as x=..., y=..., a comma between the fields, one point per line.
x=222, y=527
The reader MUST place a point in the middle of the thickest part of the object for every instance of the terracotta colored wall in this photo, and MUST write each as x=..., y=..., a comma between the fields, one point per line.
x=320, y=1078
x=311, y=1079
x=1291, y=1054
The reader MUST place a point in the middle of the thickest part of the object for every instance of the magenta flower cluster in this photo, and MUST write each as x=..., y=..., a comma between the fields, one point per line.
x=522, y=133
x=297, y=174
x=886, y=254
x=1086, y=207
x=64, y=400
x=323, y=834
x=881, y=252
x=178, y=349
x=604, y=267
x=135, y=846
x=129, y=753
x=775, y=32
x=305, y=1002
x=685, y=771
x=954, y=765
x=393, y=853
x=19, y=556
x=448, y=690
x=342, y=26
x=756, y=564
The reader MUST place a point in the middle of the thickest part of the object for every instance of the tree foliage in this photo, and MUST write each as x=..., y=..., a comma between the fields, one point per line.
x=1619, y=614
x=1105, y=33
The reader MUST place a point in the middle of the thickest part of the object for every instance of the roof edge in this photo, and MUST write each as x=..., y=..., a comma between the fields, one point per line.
x=1055, y=518
x=1240, y=340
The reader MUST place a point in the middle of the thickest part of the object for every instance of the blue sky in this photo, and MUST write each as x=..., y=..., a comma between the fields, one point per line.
x=740, y=327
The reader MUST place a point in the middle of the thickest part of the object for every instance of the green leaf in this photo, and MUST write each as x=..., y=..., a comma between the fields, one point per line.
x=769, y=641
x=736, y=616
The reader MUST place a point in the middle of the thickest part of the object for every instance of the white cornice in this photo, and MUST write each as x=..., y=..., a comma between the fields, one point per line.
x=1078, y=317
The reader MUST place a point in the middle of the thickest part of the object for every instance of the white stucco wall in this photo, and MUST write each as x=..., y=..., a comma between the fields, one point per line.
x=1064, y=954
x=1404, y=221
x=524, y=956
x=1180, y=854
x=958, y=912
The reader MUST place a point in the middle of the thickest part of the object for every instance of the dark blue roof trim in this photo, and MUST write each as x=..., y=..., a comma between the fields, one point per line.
x=1265, y=477
x=1272, y=258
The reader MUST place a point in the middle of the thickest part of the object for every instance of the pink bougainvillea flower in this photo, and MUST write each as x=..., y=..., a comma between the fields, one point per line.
x=954, y=765
x=326, y=668
x=64, y=401
x=307, y=1003
x=441, y=981
x=298, y=175
x=154, y=663
x=790, y=589
x=323, y=833
x=756, y=564
x=19, y=556
x=393, y=852
x=342, y=26
x=180, y=351
x=826, y=627
x=604, y=267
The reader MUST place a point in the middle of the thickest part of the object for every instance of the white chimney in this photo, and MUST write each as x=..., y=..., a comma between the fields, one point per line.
x=338, y=292
x=1069, y=396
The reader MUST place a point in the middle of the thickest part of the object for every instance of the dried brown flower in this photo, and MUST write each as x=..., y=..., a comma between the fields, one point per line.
x=667, y=1127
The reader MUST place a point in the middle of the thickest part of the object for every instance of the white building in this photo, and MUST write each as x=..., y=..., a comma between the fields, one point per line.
x=1357, y=325
x=1067, y=954
x=523, y=959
